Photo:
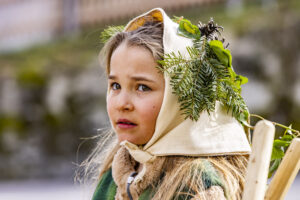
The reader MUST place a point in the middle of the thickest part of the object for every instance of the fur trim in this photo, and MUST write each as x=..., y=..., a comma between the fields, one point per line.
x=123, y=165
x=214, y=192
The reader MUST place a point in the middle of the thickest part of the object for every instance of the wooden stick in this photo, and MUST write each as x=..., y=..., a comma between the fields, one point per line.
x=259, y=161
x=286, y=172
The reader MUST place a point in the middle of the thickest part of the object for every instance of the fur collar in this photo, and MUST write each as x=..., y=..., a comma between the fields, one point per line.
x=123, y=165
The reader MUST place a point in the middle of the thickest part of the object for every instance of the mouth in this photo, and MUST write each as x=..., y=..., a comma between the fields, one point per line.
x=125, y=124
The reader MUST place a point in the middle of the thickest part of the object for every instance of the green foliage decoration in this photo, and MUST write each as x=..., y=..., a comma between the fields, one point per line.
x=109, y=32
x=205, y=77
x=186, y=28
x=280, y=146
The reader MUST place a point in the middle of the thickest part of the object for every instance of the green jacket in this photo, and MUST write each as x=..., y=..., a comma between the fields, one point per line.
x=107, y=188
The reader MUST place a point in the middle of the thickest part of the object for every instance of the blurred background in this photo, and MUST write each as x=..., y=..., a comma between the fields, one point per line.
x=52, y=88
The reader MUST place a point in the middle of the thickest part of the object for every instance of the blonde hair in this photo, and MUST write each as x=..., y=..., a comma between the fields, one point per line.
x=148, y=36
x=179, y=171
x=187, y=172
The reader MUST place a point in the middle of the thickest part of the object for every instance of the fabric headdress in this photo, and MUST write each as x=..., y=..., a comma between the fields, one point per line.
x=214, y=132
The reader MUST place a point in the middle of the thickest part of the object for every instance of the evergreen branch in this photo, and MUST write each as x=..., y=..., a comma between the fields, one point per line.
x=109, y=32
x=204, y=78
x=171, y=60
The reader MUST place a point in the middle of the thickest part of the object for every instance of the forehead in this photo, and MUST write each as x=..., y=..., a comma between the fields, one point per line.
x=132, y=59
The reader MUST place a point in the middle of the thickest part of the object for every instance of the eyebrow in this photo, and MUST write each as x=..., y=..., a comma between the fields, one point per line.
x=112, y=77
x=136, y=78
x=141, y=78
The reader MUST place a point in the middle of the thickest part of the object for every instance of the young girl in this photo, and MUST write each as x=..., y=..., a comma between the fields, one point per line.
x=166, y=149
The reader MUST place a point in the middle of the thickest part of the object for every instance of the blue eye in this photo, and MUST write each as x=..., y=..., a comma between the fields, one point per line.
x=143, y=88
x=115, y=86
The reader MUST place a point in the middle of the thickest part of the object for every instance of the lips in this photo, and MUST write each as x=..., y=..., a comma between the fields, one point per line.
x=125, y=124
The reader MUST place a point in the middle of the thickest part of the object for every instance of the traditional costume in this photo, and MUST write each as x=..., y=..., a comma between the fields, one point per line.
x=180, y=134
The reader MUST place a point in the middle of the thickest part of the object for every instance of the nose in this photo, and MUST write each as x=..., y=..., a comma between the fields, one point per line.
x=125, y=102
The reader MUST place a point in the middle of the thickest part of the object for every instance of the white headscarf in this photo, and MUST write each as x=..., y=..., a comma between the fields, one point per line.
x=216, y=134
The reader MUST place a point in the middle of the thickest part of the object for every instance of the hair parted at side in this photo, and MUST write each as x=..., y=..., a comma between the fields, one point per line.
x=149, y=36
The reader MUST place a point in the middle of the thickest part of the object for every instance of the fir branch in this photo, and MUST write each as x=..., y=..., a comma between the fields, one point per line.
x=171, y=60
x=109, y=32
x=202, y=80
x=231, y=98
x=202, y=46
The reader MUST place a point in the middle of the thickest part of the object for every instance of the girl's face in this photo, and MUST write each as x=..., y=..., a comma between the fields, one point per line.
x=135, y=93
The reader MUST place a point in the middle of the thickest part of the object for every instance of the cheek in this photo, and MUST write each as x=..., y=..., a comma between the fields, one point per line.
x=109, y=106
x=150, y=109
